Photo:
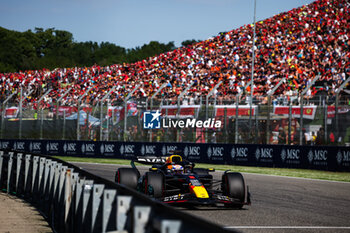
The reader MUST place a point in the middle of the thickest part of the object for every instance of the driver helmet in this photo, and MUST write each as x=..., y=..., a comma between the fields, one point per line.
x=176, y=168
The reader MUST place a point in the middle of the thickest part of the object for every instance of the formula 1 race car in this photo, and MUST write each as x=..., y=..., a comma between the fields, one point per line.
x=174, y=180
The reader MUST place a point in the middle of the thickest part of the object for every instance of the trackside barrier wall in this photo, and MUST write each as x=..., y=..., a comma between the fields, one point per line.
x=74, y=200
x=331, y=158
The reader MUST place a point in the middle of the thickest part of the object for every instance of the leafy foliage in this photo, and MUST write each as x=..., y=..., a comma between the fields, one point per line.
x=53, y=48
x=189, y=42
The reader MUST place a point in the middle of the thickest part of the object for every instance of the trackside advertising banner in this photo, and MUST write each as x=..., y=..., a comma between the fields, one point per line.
x=308, y=157
x=308, y=111
x=243, y=110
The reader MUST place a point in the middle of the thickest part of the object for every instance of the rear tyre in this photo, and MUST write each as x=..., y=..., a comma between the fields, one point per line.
x=127, y=177
x=154, y=184
x=233, y=186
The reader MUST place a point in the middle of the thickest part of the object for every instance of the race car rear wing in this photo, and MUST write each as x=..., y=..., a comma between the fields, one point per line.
x=150, y=160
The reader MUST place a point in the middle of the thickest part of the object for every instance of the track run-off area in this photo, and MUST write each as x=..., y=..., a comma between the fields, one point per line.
x=279, y=204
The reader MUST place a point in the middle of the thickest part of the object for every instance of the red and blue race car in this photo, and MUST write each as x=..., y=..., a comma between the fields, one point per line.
x=174, y=180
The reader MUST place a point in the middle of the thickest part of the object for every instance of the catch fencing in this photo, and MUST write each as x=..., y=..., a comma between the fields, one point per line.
x=275, y=119
x=74, y=200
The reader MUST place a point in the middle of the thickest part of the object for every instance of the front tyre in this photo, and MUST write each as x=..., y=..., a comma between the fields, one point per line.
x=233, y=185
x=154, y=184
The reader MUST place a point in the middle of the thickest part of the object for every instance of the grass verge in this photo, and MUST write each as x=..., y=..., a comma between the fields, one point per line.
x=303, y=173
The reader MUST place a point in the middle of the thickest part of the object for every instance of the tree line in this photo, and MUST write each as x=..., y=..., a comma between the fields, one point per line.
x=51, y=48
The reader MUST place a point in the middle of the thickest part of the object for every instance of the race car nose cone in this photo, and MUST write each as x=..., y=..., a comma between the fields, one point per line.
x=200, y=191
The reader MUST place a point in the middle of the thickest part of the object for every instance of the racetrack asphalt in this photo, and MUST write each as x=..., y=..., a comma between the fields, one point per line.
x=279, y=204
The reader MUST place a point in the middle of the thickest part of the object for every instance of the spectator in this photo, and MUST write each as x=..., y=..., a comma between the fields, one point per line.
x=299, y=44
x=320, y=139
x=281, y=136
x=331, y=138
x=313, y=138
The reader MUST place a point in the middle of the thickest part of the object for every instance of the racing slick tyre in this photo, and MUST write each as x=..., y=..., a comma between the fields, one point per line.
x=127, y=177
x=233, y=186
x=154, y=184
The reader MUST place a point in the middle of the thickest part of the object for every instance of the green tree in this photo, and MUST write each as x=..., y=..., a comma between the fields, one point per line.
x=189, y=42
x=51, y=48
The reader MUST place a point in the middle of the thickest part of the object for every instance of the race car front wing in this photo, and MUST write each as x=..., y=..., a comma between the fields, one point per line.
x=212, y=200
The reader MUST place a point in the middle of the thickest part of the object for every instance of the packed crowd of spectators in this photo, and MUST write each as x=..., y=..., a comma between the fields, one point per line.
x=299, y=45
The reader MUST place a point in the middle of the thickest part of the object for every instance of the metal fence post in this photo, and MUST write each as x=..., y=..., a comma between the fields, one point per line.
x=78, y=117
x=250, y=118
x=64, y=125
x=9, y=171
x=42, y=162
x=40, y=183
x=170, y=226
x=68, y=194
x=78, y=196
x=52, y=179
x=48, y=164
x=325, y=123
x=62, y=178
x=336, y=117
x=19, y=172
x=125, y=120
x=87, y=190
x=107, y=122
x=41, y=123
x=167, y=129
x=96, y=208
x=46, y=185
x=290, y=123
x=61, y=197
x=141, y=218
x=301, y=119
x=26, y=173
x=123, y=207
x=59, y=205
x=71, y=219
x=225, y=125
x=109, y=198
x=101, y=120
x=236, y=120
x=268, y=119
x=56, y=178
x=34, y=174
x=20, y=113
x=256, y=113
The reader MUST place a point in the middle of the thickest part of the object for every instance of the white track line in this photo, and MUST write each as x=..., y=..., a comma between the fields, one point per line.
x=287, y=227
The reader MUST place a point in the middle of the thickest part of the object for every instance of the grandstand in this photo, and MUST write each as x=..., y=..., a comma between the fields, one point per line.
x=299, y=45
